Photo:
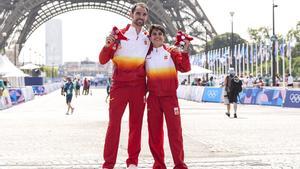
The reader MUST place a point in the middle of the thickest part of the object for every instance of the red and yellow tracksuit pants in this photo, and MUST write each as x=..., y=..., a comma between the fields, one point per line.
x=159, y=106
x=119, y=98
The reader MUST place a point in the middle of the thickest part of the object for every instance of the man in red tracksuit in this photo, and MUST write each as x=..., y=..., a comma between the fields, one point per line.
x=128, y=86
x=162, y=64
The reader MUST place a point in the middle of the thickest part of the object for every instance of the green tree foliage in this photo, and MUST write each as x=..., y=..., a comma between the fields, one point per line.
x=262, y=34
x=224, y=40
x=48, y=70
x=294, y=34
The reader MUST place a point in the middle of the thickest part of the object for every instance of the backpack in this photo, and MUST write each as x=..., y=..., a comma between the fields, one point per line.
x=235, y=87
x=77, y=85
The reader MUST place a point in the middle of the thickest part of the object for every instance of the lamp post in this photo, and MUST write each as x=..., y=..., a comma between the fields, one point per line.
x=273, y=38
x=231, y=43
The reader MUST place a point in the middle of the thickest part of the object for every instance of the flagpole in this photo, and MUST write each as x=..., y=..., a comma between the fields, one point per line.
x=266, y=61
x=256, y=60
x=225, y=60
x=219, y=63
x=214, y=61
x=221, y=56
x=277, y=57
x=243, y=59
x=252, y=60
x=271, y=63
x=240, y=57
x=261, y=59
x=235, y=57
x=283, y=71
x=283, y=63
x=229, y=59
x=248, y=61
x=290, y=58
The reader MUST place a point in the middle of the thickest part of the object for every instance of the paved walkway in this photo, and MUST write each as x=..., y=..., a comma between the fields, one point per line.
x=38, y=135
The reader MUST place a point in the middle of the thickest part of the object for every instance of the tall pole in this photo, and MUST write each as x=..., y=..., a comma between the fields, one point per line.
x=256, y=59
x=206, y=54
x=52, y=72
x=231, y=44
x=274, y=38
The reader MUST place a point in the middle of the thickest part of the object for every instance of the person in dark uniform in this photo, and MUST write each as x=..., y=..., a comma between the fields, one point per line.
x=68, y=89
x=233, y=88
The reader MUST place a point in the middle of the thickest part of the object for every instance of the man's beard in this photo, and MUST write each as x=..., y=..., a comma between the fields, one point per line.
x=139, y=22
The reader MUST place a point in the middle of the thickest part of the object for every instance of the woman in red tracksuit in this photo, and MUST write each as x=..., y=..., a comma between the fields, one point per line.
x=162, y=64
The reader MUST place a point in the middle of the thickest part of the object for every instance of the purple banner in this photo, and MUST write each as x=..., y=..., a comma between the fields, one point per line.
x=292, y=99
x=272, y=97
x=38, y=90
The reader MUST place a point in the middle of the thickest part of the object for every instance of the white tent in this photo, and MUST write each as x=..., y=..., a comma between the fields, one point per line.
x=8, y=70
x=196, y=70
x=29, y=66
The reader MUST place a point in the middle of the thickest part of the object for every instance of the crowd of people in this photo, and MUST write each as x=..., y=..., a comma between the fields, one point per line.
x=248, y=81
x=70, y=86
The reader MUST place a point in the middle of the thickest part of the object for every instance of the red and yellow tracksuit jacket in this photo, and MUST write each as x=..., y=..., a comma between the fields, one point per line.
x=128, y=88
x=162, y=65
x=129, y=58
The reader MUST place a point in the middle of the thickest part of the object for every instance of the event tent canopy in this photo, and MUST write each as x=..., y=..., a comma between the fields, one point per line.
x=196, y=70
x=7, y=68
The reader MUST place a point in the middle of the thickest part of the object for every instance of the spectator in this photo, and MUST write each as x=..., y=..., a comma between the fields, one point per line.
x=183, y=82
x=290, y=80
x=211, y=82
x=68, y=89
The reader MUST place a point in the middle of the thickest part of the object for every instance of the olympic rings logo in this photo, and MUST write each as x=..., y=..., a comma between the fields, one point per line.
x=212, y=93
x=295, y=98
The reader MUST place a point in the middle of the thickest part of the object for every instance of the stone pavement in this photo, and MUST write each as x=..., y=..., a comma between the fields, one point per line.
x=38, y=135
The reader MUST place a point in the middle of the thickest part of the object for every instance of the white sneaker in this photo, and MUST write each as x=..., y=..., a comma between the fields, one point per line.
x=132, y=166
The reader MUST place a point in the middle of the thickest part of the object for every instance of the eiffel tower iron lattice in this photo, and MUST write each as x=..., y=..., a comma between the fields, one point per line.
x=20, y=18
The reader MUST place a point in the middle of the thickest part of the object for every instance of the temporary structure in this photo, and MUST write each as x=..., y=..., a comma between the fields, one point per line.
x=9, y=71
x=196, y=70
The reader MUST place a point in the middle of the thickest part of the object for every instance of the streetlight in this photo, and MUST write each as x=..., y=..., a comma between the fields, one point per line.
x=273, y=38
x=231, y=44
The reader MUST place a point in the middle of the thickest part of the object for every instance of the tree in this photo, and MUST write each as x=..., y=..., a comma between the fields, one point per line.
x=294, y=34
x=262, y=34
x=224, y=40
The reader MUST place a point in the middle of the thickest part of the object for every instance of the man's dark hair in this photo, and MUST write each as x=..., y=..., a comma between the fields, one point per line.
x=141, y=4
x=157, y=27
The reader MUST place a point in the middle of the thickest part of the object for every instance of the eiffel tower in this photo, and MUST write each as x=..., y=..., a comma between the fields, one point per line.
x=20, y=18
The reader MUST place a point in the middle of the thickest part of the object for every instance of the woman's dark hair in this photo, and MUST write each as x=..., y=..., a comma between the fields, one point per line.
x=157, y=27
